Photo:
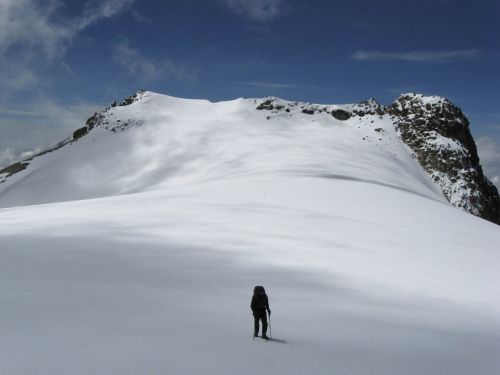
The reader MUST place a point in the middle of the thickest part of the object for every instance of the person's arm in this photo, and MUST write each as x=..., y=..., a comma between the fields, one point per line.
x=252, y=304
x=267, y=305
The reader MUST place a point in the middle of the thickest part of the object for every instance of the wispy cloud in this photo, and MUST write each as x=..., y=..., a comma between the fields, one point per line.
x=44, y=124
x=269, y=85
x=34, y=33
x=284, y=86
x=97, y=10
x=19, y=112
x=257, y=10
x=31, y=26
x=145, y=69
x=489, y=153
x=417, y=56
x=39, y=27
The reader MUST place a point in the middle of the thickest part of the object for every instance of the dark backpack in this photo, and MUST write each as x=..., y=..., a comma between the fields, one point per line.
x=258, y=290
x=260, y=298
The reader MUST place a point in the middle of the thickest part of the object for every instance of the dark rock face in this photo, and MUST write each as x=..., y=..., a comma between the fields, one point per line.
x=130, y=99
x=271, y=104
x=437, y=133
x=341, y=115
x=91, y=123
x=266, y=105
x=13, y=169
x=308, y=111
x=22, y=165
x=369, y=107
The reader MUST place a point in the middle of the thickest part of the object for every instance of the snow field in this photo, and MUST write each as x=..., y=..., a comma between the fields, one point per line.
x=144, y=256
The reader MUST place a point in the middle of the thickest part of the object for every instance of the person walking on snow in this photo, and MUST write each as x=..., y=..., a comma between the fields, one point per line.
x=259, y=305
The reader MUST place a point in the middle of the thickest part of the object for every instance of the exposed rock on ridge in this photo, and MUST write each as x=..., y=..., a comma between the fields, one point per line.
x=437, y=133
x=22, y=165
x=340, y=112
x=99, y=118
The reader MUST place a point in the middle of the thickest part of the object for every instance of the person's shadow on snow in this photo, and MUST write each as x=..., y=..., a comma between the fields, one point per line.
x=279, y=340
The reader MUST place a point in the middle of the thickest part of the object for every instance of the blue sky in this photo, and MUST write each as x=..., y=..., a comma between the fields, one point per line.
x=62, y=60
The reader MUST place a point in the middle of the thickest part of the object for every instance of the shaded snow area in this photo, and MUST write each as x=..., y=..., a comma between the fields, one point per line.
x=136, y=251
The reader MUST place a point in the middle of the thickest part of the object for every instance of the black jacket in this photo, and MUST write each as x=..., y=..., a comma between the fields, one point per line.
x=260, y=303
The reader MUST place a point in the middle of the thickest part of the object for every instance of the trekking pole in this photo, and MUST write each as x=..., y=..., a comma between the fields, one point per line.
x=270, y=329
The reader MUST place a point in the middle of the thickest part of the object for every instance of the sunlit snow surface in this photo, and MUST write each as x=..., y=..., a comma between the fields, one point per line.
x=147, y=263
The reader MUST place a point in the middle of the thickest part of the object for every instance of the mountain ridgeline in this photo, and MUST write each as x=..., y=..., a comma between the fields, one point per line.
x=437, y=135
x=434, y=132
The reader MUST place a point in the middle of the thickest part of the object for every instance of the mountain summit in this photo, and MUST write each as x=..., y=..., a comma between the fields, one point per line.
x=162, y=214
x=418, y=143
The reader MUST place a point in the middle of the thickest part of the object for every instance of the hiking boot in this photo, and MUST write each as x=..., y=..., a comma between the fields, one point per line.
x=265, y=337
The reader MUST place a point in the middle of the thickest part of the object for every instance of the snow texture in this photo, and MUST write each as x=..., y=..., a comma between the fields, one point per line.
x=135, y=251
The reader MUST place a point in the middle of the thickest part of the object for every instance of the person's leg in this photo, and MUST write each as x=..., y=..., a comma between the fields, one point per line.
x=264, y=324
x=255, y=324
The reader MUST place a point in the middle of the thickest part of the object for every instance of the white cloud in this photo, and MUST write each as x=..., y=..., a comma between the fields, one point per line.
x=32, y=26
x=17, y=77
x=44, y=124
x=101, y=9
x=417, y=56
x=257, y=10
x=489, y=153
x=34, y=33
x=39, y=27
x=144, y=69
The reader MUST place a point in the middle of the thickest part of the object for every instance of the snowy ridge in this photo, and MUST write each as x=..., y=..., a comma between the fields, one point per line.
x=339, y=111
x=171, y=141
x=435, y=131
x=134, y=248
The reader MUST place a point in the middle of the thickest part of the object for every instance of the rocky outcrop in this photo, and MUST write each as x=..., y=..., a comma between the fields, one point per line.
x=98, y=118
x=22, y=165
x=130, y=99
x=91, y=123
x=270, y=105
x=341, y=115
x=339, y=112
x=13, y=169
x=437, y=134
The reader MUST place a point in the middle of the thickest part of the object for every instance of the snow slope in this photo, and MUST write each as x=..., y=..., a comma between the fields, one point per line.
x=144, y=256
x=161, y=142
